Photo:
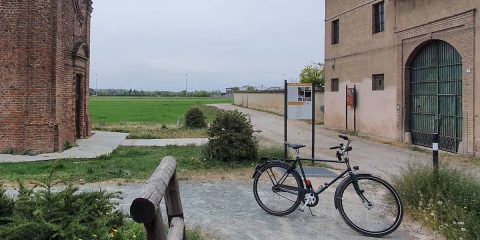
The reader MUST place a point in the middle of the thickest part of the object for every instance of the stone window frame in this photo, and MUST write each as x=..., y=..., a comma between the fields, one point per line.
x=335, y=85
x=335, y=31
x=378, y=82
x=378, y=17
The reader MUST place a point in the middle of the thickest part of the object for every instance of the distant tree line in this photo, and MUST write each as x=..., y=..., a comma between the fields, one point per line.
x=142, y=93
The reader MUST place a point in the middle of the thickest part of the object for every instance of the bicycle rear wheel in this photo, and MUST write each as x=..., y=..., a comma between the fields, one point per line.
x=377, y=211
x=270, y=188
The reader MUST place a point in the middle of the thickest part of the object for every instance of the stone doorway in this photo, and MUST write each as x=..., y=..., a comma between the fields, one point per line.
x=78, y=105
x=436, y=95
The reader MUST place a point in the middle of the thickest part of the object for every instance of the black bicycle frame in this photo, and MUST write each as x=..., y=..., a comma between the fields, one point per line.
x=324, y=187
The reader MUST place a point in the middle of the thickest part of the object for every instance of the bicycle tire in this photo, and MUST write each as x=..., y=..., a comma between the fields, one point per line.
x=382, y=196
x=261, y=192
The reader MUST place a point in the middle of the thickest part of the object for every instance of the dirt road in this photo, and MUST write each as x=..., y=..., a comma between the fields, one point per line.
x=380, y=159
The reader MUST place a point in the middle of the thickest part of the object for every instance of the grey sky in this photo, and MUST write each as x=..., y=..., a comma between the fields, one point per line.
x=151, y=44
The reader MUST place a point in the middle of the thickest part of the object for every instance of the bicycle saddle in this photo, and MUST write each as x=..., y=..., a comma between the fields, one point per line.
x=296, y=146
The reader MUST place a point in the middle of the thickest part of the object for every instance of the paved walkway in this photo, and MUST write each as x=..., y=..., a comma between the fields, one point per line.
x=164, y=142
x=228, y=210
x=101, y=143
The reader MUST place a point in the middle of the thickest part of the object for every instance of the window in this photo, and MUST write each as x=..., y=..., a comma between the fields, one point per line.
x=378, y=82
x=335, y=31
x=335, y=85
x=379, y=17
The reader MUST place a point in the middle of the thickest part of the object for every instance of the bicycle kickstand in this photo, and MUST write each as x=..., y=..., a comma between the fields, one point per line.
x=309, y=208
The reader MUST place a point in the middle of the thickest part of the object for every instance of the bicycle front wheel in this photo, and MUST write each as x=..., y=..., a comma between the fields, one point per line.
x=274, y=188
x=373, y=209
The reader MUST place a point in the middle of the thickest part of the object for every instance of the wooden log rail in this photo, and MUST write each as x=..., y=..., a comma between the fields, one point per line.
x=146, y=208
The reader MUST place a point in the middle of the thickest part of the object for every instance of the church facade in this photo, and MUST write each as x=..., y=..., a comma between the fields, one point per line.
x=44, y=74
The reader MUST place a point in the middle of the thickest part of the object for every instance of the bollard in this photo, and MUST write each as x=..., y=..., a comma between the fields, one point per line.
x=436, y=139
x=179, y=122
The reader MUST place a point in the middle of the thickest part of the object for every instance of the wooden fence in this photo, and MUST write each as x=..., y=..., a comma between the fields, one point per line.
x=146, y=208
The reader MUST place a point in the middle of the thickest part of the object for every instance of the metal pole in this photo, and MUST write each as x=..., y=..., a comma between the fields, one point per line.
x=285, y=119
x=96, y=84
x=186, y=84
x=346, y=107
x=354, y=108
x=313, y=122
x=436, y=139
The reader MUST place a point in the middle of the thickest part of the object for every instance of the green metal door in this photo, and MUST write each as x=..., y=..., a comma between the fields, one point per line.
x=436, y=96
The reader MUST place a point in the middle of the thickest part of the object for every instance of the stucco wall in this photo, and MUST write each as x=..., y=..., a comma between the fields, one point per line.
x=358, y=56
x=360, y=53
x=273, y=102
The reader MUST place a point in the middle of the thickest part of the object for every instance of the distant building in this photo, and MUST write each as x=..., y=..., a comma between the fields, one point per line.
x=229, y=92
x=44, y=74
x=415, y=64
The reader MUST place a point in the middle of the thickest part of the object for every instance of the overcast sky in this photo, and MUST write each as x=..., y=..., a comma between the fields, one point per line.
x=151, y=44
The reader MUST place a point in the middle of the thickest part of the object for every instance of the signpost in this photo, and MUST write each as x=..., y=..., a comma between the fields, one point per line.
x=351, y=101
x=299, y=105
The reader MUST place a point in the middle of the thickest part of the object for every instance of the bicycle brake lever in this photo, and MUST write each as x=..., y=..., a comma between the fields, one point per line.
x=339, y=156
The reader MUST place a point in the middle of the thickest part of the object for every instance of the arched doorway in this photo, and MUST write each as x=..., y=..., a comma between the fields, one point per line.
x=436, y=95
x=78, y=106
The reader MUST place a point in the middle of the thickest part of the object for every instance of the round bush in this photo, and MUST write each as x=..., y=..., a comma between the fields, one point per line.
x=231, y=138
x=194, y=118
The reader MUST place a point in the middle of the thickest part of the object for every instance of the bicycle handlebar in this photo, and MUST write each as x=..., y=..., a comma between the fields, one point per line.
x=344, y=137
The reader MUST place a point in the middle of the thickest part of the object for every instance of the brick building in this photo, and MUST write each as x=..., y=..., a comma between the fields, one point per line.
x=415, y=65
x=44, y=74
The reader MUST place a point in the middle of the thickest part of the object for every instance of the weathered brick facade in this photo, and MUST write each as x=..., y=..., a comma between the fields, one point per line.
x=44, y=74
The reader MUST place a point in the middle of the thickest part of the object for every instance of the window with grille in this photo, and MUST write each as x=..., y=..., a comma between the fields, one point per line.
x=335, y=85
x=379, y=17
x=378, y=82
x=335, y=31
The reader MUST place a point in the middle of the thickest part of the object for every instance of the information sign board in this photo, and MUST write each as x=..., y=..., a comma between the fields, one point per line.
x=300, y=101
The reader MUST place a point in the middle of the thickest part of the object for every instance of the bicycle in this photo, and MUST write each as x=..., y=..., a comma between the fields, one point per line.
x=368, y=204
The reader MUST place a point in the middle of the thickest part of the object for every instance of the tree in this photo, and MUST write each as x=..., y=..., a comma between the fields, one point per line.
x=313, y=73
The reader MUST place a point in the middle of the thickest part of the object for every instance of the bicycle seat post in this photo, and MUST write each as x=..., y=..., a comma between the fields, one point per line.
x=297, y=153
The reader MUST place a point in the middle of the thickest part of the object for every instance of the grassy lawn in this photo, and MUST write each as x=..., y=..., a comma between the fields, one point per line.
x=149, y=118
x=126, y=163
x=115, y=110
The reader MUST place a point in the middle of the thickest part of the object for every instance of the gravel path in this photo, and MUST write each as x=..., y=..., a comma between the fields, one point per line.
x=229, y=211
x=376, y=158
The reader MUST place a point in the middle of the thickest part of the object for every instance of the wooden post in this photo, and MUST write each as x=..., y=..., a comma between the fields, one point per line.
x=146, y=208
x=177, y=229
x=155, y=229
x=173, y=202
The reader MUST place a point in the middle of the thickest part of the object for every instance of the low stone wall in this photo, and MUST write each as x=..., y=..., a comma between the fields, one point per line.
x=273, y=101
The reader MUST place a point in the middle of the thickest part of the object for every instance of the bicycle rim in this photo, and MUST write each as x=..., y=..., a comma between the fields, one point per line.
x=379, y=218
x=274, y=201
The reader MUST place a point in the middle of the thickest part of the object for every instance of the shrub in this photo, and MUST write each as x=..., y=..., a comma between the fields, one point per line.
x=67, y=214
x=194, y=118
x=6, y=205
x=447, y=202
x=231, y=138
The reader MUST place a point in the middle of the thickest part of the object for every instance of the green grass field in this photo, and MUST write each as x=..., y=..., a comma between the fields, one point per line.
x=113, y=110
x=150, y=117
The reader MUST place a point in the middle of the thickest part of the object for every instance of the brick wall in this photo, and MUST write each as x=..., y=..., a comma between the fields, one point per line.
x=37, y=69
x=458, y=31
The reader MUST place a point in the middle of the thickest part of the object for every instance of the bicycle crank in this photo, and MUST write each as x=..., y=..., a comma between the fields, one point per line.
x=310, y=200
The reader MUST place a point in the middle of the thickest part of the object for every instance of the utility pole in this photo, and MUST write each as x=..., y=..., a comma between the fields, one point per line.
x=186, y=84
x=96, y=84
